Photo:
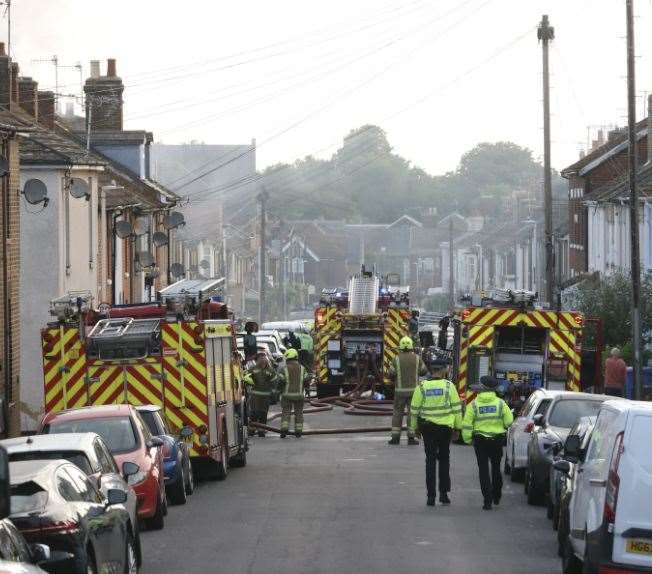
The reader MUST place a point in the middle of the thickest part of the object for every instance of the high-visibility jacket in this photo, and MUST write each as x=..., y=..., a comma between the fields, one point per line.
x=436, y=401
x=405, y=370
x=261, y=381
x=306, y=342
x=293, y=377
x=487, y=415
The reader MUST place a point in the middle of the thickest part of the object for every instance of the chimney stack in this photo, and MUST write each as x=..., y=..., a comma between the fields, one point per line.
x=46, y=114
x=104, y=98
x=14, y=82
x=5, y=78
x=27, y=96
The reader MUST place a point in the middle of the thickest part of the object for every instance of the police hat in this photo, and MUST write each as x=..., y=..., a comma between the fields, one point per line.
x=488, y=383
x=437, y=362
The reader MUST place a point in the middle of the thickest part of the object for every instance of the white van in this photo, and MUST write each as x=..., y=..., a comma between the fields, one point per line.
x=611, y=508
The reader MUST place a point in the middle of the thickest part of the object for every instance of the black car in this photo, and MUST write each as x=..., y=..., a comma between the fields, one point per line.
x=549, y=433
x=558, y=479
x=573, y=454
x=179, y=478
x=55, y=503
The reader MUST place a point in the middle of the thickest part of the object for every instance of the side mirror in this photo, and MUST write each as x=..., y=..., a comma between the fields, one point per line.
x=562, y=466
x=573, y=447
x=154, y=442
x=5, y=493
x=185, y=432
x=129, y=469
x=40, y=552
x=538, y=420
x=116, y=496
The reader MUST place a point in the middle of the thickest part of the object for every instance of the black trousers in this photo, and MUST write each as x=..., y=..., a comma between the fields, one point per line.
x=437, y=444
x=489, y=451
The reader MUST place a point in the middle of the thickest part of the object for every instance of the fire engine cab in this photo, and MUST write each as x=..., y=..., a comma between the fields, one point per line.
x=178, y=352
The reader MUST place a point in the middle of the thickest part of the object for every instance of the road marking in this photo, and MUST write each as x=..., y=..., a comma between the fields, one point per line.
x=353, y=459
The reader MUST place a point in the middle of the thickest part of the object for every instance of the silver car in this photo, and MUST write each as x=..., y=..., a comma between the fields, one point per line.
x=518, y=435
x=87, y=451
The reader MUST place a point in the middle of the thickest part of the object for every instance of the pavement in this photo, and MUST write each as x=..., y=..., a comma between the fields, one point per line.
x=341, y=504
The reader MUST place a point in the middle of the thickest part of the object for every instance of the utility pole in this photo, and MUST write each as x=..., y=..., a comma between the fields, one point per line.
x=262, y=198
x=451, y=272
x=633, y=200
x=546, y=33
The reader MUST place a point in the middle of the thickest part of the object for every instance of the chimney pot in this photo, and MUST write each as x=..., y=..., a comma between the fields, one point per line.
x=95, y=69
x=111, y=68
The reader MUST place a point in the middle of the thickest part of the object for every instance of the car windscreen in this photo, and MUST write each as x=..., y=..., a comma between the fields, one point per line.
x=118, y=432
x=77, y=458
x=27, y=497
x=565, y=413
x=148, y=417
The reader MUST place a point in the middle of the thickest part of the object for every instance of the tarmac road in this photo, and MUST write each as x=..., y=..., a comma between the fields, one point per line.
x=348, y=504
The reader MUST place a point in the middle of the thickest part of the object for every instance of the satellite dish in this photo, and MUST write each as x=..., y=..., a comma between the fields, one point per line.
x=146, y=259
x=177, y=270
x=123, y=229
x=35, y=192
x=141, y=225
x=4, y=166
x=204, y=264
x=159, y=239
x=153, y=273
x=174, y=220
x=79, y=188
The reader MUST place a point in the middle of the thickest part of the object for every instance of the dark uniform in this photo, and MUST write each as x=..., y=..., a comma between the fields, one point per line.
x=260, y=381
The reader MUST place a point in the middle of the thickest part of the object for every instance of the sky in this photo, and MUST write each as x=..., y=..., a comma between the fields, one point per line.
x=440, y=76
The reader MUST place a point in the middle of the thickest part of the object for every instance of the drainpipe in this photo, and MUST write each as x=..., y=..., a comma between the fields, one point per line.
x=6, y=300
x=114, y=244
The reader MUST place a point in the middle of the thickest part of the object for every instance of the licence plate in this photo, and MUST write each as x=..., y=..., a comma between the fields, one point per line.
x=639, y=546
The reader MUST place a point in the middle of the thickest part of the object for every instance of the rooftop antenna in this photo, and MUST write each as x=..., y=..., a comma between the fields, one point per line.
x=54, y=60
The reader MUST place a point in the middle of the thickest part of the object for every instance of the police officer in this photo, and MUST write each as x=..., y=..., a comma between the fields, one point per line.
x=436, y=411
x=260, y=384
x=292, y=379
x=405, y=371
x=486, y=420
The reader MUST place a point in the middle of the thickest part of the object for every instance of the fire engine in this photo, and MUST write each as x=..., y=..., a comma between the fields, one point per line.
x=178, y=352
x=357, y=332
x=505, y=334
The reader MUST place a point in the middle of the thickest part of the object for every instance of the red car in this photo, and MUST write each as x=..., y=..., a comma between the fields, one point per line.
x=138, y=454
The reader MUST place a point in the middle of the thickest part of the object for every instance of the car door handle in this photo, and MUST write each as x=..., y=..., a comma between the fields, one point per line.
x=596, y=482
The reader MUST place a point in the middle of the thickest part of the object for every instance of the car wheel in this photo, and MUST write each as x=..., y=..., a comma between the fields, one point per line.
x=240, y=459
x=177, y=490
x=164, y=497
x=570, y=564
x=190, y=480
x=131, y=559
x=157, y=522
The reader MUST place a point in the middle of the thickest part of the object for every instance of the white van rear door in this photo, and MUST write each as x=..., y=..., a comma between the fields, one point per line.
x=633, y=528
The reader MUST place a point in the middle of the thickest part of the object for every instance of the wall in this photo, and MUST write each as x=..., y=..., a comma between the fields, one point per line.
x=130, y=156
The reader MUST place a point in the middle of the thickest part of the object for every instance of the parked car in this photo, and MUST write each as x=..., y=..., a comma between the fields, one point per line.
x=558, y=479
x=89, y=452
x=573, y=454
x=610, y=519
x=130, y=441
x=518, y=435
x=550, y=431
x=55, y=503
x=179, y=478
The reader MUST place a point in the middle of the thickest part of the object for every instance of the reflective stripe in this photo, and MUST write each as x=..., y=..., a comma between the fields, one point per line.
x=261, y=393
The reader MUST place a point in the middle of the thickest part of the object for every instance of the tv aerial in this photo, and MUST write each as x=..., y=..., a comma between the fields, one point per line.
x=123, y=229
x=79, y=188
x=159, y=239
x=36, y=192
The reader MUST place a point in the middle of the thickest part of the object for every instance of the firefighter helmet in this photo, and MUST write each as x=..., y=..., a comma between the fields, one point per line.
x=291, y=354
x=406, y=344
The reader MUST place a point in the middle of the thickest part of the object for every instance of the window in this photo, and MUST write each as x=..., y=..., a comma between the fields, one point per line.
x=27, y=496
x=600, y=446
x=150, y=420
x=21, y=550
x=542, y=409
x=144, y=429
x=67, y=488
x=86, y=490
x=565, y=413
x=107, y=464
x=527, y=406
x=77, y=458
x=8, y=549
x=118, y=432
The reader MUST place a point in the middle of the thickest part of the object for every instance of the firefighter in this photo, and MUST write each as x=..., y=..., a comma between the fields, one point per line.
x=249, y=342
x=292, y=380
x=260, y=383
x=486, y=421
x=405, y=372
x=436, y=413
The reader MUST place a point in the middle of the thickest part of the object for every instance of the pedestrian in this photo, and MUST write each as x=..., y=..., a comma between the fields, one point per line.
x=436, y=411
x=249, y=342
x=405, y=371
x=615, y=374
x=260, y=382
x=486, y=421
x=292, y=378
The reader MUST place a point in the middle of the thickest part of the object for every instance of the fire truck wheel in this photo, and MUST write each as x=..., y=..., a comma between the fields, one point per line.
x=240, y=459
x=177, y=492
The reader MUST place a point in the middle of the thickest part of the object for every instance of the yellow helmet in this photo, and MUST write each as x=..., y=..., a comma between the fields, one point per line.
x=291, y=354
x=406, y=344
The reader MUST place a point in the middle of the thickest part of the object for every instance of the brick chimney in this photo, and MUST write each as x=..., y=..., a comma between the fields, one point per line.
x=27, y=96
x=46, y=114
x=14, y=82
x=104, y=98
x=5, y=78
